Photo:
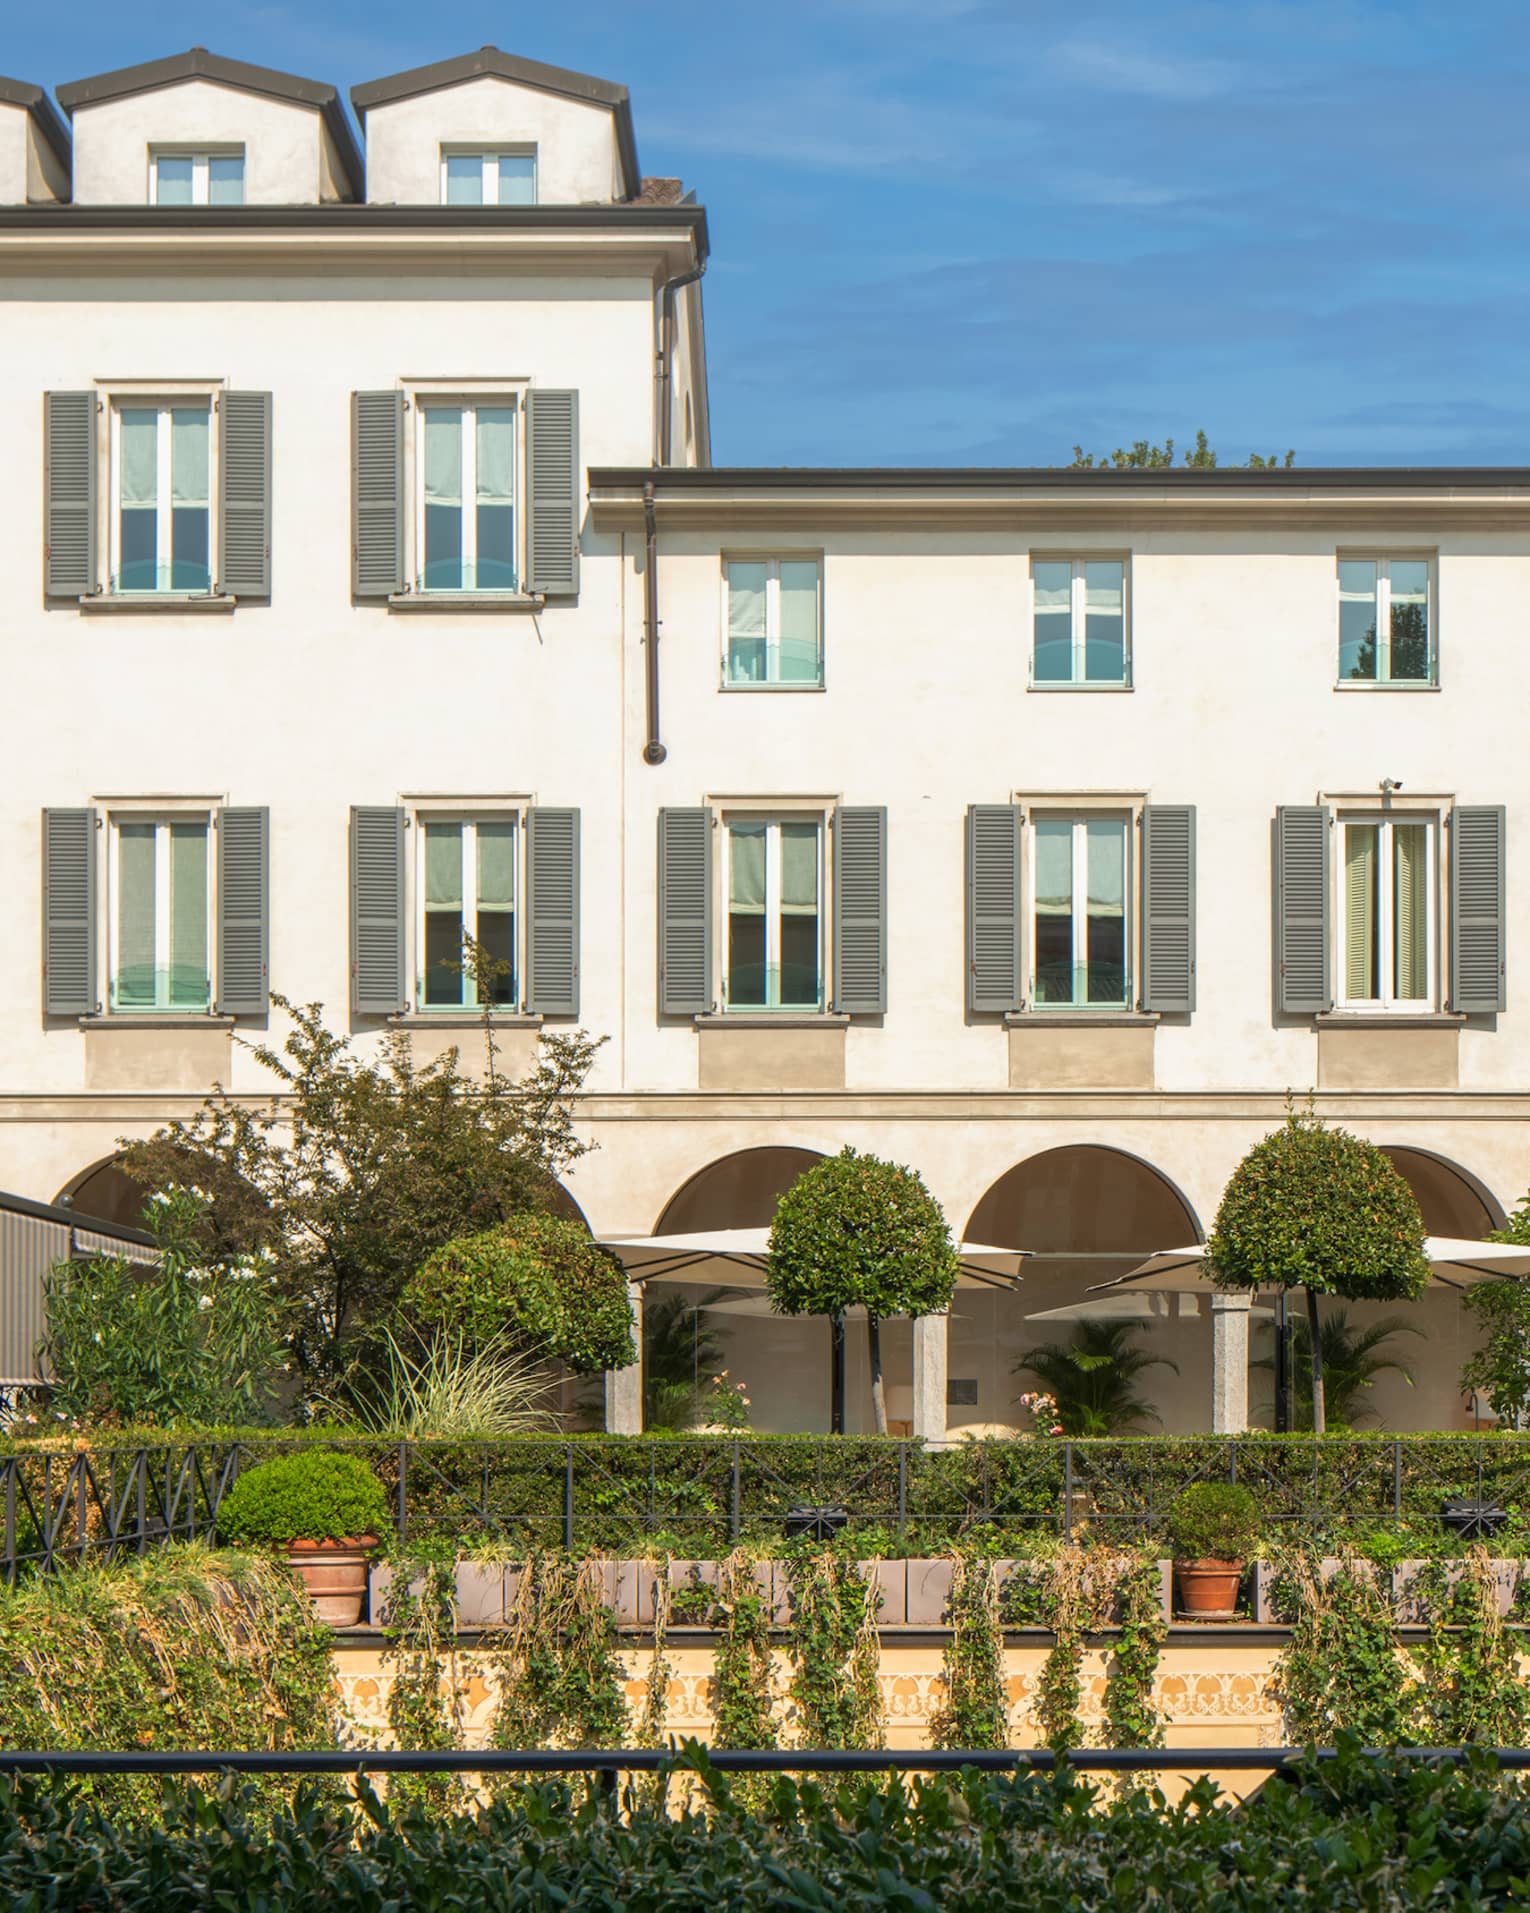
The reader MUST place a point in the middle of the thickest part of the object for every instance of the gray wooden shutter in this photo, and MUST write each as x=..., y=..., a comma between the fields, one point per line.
x=685, y=911
x=994, y=960
x=244, y=494
x=860, y=910
x=1477, y=938
x=377, y=911
x=244, y=840
x=69, y=913
x=1168, y=908
x=377, y=494
x=552, y=472
x=552, y=911
x=1304, y=966
x=69, y=485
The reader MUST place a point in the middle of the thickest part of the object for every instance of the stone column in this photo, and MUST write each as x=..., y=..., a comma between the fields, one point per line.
x=1229, y=1362
x=624, y=1386
x=931, y=1339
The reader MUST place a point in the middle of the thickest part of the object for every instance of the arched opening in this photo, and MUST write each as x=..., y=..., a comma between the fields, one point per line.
x=1450, y=1201
x=1084, y=1213
x=107, y=1192
x=736, y=1192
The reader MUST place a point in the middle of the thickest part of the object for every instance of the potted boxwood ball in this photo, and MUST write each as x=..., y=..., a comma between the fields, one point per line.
x=1213, y=1529
x=325, y=1510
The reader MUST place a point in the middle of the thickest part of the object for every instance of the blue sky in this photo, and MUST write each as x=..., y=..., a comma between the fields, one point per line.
x=951, y=232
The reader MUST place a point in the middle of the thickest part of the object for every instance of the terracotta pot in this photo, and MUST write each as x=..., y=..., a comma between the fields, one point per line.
x=1208, y=1588
x=335, y=1575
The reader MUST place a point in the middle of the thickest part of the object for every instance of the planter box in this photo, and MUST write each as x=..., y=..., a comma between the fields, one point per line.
x=1412, y=1610
x=929, y=1592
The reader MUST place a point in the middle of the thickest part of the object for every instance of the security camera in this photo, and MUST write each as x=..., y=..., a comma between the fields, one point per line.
x=1389, y=784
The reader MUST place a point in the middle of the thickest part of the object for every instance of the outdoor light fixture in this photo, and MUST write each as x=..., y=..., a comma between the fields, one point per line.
x=1389, y=784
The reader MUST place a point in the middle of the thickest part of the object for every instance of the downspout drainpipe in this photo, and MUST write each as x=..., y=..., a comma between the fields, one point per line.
x=653, y=751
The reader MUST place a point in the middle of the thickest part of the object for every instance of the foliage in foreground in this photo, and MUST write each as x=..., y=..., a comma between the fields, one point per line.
x=1352, y=1833
x=317, y=1496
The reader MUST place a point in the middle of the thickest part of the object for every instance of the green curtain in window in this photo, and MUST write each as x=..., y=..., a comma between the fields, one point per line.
x=135, y=916
x=1361, y=983
x=1410, y=903
x=188, y=916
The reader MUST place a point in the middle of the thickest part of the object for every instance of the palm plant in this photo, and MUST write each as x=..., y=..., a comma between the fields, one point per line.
x=1352, y=1359
x=680, y=1352
x=1093, y=1378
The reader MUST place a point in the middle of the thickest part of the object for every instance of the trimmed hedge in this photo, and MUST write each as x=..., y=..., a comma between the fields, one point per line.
x=1351, y=1834
x=317, y=1496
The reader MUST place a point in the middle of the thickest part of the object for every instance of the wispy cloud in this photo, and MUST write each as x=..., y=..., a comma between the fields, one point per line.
x=1117, y=68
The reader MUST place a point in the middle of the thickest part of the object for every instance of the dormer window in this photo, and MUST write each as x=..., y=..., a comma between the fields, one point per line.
x=207, y=178
x=504, y=177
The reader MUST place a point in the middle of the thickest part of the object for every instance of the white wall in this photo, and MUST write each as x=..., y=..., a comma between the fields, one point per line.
x=575, y=141
x=282, y=142
x=15, y=143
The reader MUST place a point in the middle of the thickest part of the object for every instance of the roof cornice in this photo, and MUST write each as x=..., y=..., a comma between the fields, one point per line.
x=198, y=64
x=490, y=63
x=1093, y=479
x=48, y=119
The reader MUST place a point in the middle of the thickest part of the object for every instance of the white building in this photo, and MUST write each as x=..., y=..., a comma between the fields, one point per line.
x=1038, y=828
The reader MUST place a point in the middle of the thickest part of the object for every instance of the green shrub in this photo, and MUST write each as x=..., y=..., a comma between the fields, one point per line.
x=1214, y=1521
x=319, y=1496
x=536, y=1281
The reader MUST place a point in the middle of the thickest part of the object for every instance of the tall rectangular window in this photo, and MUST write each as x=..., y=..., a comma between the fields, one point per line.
x=1384, y=621
x=775, y=917
x=467, y=888
x=1079, y=621
x=489, y=179
x=773, y=621
x=466, y=527
x=197, y=179
x=1387, y=919
x=160, y=924
x=162, y=522
x=1079, y=949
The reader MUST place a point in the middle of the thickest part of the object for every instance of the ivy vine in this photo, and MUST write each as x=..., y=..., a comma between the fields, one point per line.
x=974, y=1711
x=425, y=1707
x=834, y=1650
x=1131, y=1717
x=742, y=1690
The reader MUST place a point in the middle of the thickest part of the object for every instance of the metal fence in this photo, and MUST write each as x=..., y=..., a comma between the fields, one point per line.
x=698, y=1496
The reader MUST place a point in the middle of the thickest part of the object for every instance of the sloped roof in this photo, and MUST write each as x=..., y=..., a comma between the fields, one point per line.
x=490, y=62
x=198, y=64
x=36, y=102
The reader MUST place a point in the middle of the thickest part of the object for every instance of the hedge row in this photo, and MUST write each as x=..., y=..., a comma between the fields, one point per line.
x=1355, y=1833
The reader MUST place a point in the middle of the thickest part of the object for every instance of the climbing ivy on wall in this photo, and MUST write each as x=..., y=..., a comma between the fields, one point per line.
x=834, y=1651
x=1131, y=1717
x=974, y=1711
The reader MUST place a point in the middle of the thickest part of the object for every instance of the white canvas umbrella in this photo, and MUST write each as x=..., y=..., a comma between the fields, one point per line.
x=1131, y=1305
x=1455, y=1262
x=735, y=1258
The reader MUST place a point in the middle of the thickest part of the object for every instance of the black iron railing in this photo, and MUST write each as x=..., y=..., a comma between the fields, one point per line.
x=699, y=1496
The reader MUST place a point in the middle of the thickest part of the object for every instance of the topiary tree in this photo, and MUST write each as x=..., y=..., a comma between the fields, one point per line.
x=1500, y=1367
x=857, y=1232
x=1319, y=1209
x=536, y=1281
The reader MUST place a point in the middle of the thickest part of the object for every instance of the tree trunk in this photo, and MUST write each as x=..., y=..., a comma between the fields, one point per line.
x=1319, y=1405
x=874, y=1349
x=836, y=1374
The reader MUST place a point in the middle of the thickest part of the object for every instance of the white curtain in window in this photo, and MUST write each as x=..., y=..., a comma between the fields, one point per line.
x=799, y=623
x=1054, y=869
x=746, y=601
x=496, y=455
x=188, y=913
x=1107, y=870
x=188, y=455
x=135, y=914
x=746, y=869
x=443, y=455
x=1410, y=904
x=140, y=456
x=799, y=870
x=496, y=866
x=443, y=866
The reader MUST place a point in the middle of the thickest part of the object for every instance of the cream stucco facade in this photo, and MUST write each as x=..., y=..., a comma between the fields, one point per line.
x=315, y=697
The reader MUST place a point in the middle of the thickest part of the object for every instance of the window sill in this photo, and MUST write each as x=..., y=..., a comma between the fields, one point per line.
x=157, y=1020
x=1409, y=686
x=464, y=1020
x=449, y=601
x=1081, y=1019
x=1093, y=689
x=127, y=604
x=772, y=1020
x=1389, y=1020
x=774, y=690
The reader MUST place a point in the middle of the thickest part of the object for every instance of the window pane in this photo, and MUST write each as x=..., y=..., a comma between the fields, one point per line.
x=1106, y=955
x=443, y=866
x=172, y=178
x=517, y=179
x=135, y=917
x=496, y=943
x=496, y=866
x=138, y=489
x=799, y=980
x=225, y=180
x=1052, y=585
x=746, y=623
x=446, y=983
x=1104, y=623
x=1410, y=911
x=496, y=908
x=189, y=569
x=464, y=179
x=188, y=917
x=746, y=915
x=1054, y=911
x=443, y=499
x=798, y=647
x=496, y=499
x=1362, y=975
x=1410, y=619
x=1357, y=618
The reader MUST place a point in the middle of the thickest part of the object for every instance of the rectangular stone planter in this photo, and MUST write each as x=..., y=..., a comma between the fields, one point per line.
x=1411, y=1610
x=929, y=1592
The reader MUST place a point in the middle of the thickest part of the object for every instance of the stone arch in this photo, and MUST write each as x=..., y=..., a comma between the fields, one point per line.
x=735, y=1192
x=1451, y=1199
x=1084, y=1199
x=105, y=1191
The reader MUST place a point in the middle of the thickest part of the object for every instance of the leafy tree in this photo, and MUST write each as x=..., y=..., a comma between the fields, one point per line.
x=857, y=1232
x=533, y=1282
x=1093, y=1378
x=1500, y=1367
x=356, y=1169
x=1351, y=1357
x=1320, y=1209
x=681, y=1352
x=1143, y=455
